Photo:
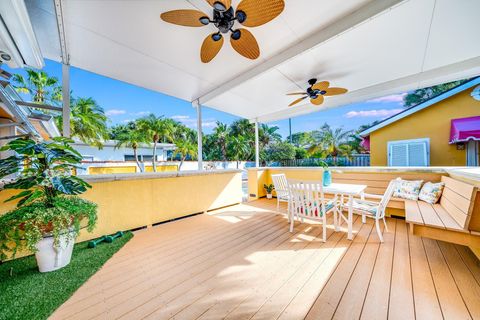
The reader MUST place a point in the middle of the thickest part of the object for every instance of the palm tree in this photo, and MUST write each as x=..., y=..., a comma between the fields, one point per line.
x=331, y=142
x=239, y=149
x=267, y=134
x=155, y=128
x=88, y=121
x=221, y=135
x=131, y=139
x=39, y=85
x=184, y=148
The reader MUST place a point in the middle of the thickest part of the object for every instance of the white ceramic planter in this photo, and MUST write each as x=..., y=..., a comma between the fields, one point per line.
x=269, y=196
x=50, y=258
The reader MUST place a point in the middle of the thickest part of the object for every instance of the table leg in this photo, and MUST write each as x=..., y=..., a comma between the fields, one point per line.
x=350, y=217
x=364, y=218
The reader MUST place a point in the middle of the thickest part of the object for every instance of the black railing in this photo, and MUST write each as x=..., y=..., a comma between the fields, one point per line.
x=358, y=160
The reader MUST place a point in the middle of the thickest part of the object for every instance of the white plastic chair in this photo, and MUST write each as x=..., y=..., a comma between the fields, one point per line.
x=374, y=209
x=308, y=201
x=281, y=188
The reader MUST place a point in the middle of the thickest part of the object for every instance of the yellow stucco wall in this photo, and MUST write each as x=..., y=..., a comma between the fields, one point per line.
x=432, y=122
x=133, y=203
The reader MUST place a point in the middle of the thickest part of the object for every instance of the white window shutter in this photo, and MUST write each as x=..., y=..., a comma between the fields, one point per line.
x=398, y=155
x=417, y=154
x=409, y=153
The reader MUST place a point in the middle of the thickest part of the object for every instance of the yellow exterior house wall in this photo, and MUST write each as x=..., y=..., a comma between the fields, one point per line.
x=135, y=201
x=432, y=122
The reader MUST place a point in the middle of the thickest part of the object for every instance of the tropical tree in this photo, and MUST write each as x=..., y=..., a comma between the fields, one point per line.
x=280, y=150
x=302, y=139
x=131, y=138
x=155, y=128
x=221, y=139
x=238, y=149
x=267, y=135
x=421, y=95
x=88, y=121
x=39, y=85
x=331, y=142
x=184, y=148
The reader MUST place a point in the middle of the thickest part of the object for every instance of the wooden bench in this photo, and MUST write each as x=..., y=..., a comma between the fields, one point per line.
x=447, y=220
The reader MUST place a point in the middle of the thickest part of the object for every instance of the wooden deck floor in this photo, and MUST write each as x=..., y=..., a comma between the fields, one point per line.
x=242, y=263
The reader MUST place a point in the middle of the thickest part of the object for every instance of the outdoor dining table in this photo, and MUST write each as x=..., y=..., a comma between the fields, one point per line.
x=349, y=190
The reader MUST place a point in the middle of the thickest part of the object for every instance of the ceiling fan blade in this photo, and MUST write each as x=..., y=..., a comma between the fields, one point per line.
x=187, y=18
x=322, y=86
x=226, y=3
x=246, y=45
x=260, y=12
x=334, y=91
x=296, y=93
x=297, y=101
x=318, y=100
x=210, y=48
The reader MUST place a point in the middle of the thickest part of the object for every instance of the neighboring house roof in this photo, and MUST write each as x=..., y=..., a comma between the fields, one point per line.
x=421, y=106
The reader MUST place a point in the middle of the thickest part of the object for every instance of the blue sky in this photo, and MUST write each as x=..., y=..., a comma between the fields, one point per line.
x=124, y=102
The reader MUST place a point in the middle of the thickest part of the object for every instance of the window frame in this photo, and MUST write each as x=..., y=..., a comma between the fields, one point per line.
x=407, y=142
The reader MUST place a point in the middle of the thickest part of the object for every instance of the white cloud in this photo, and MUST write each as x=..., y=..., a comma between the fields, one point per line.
x=372, y=113
x=391, y=98
x=140, y=113
x=192, y=122
x=115, y=112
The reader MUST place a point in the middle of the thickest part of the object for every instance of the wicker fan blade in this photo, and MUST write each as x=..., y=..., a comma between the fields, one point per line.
x=334, y=91
x=246, y=45
x=296, y=93
x=297, y=101
x=210, y=48
x=260, y=12
x=318, y=100
x=226, y=3
x=322, y=86
x=188, y=18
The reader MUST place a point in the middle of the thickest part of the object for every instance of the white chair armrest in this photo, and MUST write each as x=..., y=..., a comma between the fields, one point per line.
x=372, y=196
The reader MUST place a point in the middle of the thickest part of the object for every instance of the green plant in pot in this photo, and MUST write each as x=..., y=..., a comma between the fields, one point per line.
x=49, y=214
x=327, y=174
x=269, y=188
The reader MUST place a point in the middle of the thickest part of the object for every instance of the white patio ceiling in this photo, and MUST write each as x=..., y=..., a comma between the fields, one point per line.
x=373, y=48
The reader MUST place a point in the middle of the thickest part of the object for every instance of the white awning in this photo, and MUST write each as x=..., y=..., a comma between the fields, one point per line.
x=373, y=48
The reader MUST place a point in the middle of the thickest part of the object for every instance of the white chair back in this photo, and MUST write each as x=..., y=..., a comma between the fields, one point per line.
x=387, y=196
x=281, y=185
x=307, y=199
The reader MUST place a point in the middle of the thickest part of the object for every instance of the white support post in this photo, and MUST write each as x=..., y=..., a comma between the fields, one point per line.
x=199, y=135
x=257, y=147
x=66, y=99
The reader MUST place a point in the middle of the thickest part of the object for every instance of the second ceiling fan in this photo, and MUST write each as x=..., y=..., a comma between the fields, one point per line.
x=249, y=13
x=316, y=92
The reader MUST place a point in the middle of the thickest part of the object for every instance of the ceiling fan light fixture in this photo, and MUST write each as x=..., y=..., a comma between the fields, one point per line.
x=219, y=6
x=241, y=16
x=205, y=20
x=236, y=34
x=216, y=37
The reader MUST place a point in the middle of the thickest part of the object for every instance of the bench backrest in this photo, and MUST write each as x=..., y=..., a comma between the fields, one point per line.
x=458, y=199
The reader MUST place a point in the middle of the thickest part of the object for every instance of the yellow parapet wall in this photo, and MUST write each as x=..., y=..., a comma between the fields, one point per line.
x=129, y=201
x=129, y=169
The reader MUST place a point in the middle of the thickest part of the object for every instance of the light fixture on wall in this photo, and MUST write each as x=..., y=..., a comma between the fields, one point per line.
x=460, y=146
x=476, y=93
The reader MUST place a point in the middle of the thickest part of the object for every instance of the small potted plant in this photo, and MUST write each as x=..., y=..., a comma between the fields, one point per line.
x=49, y=215
x=327, y=174
x=269, y=188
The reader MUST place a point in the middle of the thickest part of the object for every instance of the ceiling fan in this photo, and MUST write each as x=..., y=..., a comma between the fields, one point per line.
x=249, y=13
x=316, y=92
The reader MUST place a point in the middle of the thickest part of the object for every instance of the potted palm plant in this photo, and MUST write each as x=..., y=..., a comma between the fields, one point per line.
x=269, y=188
x=49, y=214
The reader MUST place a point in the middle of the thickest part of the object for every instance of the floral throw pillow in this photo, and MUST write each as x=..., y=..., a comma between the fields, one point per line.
x=407, y=189
x=431, y=192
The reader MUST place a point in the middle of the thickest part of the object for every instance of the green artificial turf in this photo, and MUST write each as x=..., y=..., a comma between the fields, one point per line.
x=25, y=293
